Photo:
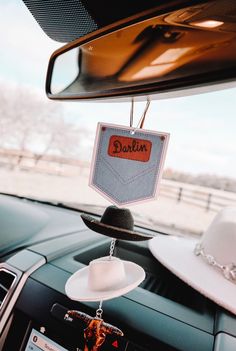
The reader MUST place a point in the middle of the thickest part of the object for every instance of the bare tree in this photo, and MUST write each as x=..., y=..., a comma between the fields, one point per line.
x=61, y=138
x=29, y=123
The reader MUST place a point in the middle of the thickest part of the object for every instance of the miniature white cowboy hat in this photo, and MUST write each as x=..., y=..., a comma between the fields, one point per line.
x=104, y=279
x=207, y=264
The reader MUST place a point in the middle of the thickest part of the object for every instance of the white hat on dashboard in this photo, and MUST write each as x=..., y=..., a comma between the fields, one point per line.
x=208, y=264
x=104, y=278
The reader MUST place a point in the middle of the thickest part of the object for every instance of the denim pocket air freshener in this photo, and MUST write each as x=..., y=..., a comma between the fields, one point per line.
x=127, y=163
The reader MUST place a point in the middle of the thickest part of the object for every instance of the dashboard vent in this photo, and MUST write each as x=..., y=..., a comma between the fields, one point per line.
x=159, y=280
x=7, y=280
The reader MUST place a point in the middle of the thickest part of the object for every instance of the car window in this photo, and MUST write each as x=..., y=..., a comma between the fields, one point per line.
x=46, y=146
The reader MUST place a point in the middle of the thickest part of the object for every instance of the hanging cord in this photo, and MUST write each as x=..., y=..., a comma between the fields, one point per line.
x=144, y=114
x=142, y=119
x=132, y=113
x=99, y=311
x=112, y=247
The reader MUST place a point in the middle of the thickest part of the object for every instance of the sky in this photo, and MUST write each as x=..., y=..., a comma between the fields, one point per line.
x=202, y=127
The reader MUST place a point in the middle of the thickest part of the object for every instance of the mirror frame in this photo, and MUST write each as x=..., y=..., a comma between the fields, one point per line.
x=141, y=90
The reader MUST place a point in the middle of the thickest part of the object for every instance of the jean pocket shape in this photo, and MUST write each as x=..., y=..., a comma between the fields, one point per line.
x=124, y=180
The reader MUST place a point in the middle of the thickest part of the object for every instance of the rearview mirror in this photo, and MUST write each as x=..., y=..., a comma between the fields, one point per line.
x=181, y=49
x=66, y=69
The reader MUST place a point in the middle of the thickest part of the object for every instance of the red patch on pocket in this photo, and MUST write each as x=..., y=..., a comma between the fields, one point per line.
x=129, y=148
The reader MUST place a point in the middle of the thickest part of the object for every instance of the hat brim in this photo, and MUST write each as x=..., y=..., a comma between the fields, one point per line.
x=114, y=232
x=177, y=254
x=77, y=285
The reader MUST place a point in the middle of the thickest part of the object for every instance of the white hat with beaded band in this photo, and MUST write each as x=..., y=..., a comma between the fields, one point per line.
x=208, y=264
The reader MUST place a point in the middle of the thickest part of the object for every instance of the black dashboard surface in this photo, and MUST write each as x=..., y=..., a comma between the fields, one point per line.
x=162, y=314
x=25, y=222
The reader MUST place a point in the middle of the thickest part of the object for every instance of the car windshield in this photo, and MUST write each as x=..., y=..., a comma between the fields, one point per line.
x=46, y=146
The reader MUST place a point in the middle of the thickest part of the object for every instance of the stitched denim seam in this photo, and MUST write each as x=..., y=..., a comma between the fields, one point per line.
x=131, y=179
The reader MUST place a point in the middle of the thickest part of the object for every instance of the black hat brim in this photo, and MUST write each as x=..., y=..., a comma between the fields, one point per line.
x=114, y=232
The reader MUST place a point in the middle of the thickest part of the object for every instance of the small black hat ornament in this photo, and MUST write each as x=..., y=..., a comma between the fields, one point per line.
x=116, y=223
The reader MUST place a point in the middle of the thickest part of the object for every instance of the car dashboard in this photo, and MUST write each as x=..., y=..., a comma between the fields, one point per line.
x=162, y=314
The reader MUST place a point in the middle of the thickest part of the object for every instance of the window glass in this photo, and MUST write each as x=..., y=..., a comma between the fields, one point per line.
x=46, y=146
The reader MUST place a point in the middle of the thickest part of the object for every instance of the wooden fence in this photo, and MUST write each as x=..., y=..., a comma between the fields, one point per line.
x=206, y=198
x=51, y=164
